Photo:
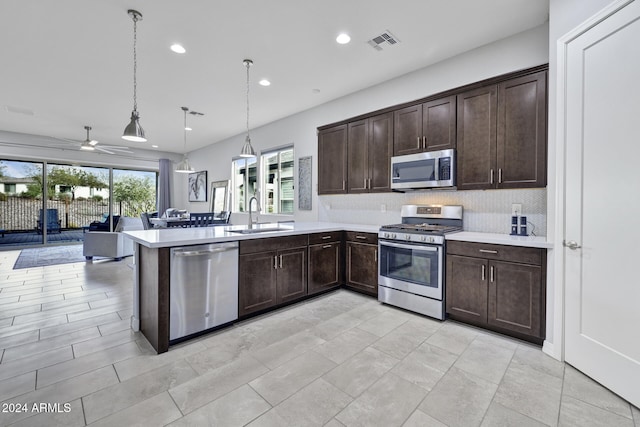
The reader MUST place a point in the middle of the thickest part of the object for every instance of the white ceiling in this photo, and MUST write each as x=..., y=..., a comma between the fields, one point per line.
x=69, y=63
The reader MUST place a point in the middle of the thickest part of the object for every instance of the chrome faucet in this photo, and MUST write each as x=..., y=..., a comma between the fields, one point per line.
x=257, y=210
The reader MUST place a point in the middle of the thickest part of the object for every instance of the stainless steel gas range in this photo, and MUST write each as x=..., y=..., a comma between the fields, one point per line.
x=411, y=264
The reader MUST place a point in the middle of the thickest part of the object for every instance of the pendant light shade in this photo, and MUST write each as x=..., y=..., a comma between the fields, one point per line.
x=184, y=166
x=133, y=131
x=247, y=148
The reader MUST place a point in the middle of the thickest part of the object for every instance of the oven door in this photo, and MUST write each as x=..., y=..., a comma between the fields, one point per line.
x=410, y=267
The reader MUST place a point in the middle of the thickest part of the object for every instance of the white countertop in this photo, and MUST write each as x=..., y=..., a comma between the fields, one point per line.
x=501, y=239
x=172, y=237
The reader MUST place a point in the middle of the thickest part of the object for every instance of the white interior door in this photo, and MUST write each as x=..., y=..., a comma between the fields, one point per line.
x=602, y=193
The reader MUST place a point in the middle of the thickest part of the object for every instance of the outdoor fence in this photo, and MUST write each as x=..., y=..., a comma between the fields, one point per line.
x=22, y=214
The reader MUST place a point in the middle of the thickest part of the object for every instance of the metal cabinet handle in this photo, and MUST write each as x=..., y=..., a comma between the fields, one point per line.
x=424, y=142
x=369, y=183
x=343, y=184
x=491, y=176
x=571, y=244
x=484, y=272
x=280, y=261
x=375, y=255
x=361, y=237
x=326, y=237
x=419, y=143
x=499, y=175
x=275, y=262
x=327, y=246
x=365, y=183
x=487, y=251
x=491, y=274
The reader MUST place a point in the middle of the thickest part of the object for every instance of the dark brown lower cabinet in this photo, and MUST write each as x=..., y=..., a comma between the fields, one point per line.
x=272, y=271
x=362, y=262
x=497, y=287
x=324, y=267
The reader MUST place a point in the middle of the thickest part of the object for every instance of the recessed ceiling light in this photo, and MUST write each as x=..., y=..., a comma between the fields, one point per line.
x=315, y=90
x=264, y=82
x=154, y=146
x=187, y=128
x=343, y=38
x=177, y=48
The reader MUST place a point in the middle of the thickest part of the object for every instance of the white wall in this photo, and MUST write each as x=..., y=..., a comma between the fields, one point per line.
x=523, y=50
x=564, y=16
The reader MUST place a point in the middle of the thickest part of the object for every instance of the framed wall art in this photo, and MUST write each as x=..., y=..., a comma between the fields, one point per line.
x=198, y=186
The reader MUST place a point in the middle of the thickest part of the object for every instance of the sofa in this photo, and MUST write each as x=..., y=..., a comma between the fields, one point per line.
x=111, y=244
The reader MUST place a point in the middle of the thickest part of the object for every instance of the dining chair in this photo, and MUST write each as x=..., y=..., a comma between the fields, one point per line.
x=201, y=219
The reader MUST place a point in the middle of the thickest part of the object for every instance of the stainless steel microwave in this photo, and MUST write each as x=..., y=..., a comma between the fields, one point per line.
x=424, y=170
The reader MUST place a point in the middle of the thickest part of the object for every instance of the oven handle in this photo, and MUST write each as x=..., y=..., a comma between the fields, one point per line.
x=418, y=247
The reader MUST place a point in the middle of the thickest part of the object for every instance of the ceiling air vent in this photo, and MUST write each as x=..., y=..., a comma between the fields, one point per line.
x=385, y=38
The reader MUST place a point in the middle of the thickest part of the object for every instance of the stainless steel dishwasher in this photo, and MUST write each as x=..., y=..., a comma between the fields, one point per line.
x=203, y=288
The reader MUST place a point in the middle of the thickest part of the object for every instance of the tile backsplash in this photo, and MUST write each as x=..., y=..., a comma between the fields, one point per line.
x=486, y=211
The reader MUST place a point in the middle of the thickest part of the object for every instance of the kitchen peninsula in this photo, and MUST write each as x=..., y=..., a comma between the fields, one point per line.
x=151, y=309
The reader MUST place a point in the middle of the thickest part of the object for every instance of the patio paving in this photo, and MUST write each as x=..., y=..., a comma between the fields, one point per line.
x=13, y=240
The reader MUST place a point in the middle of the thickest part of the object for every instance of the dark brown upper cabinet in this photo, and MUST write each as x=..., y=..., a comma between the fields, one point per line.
x=502, y=134
x=332, y=160
x=429, y=126
x=522, y=132
x=476, y=148
x=370, y=146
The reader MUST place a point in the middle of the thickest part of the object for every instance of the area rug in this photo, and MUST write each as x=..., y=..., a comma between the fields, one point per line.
x=39, y=257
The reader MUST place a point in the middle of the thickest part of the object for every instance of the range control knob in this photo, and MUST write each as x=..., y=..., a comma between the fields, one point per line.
x=407, y=237
x=393, y=235
x=423, y=238
x=431, y=239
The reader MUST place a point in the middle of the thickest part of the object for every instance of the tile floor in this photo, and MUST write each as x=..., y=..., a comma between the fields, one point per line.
x=341, y=359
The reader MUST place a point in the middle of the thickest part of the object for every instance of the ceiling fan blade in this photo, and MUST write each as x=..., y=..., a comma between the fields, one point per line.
x=104, y=150
x=116, y=148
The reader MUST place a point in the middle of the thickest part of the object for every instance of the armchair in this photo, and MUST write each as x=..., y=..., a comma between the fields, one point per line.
x=111, y=244
x=52, y=222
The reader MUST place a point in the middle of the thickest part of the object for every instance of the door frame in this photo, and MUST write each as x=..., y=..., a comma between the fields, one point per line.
x=556, y=257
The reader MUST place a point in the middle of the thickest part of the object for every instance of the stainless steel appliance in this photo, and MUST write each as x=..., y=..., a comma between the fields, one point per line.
x=424, y=170
x=203, y=288
x=411, y=265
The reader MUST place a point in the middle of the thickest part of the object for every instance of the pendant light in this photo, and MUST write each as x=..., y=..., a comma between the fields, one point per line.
x=184, y=166
x=133, y=131
x=247, y=149
x=88, y=144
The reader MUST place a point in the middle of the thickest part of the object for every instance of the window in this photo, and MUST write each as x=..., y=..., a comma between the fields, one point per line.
x=277, y=181
x=10, y=188
x=244, y=182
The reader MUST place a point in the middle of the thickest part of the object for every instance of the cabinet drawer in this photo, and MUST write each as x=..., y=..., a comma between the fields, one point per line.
x=354, y=236
x=518, y=254
x=328, y=237
x=272, y=244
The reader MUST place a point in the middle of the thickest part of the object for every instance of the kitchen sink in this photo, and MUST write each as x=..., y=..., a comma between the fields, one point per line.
x=257, y=230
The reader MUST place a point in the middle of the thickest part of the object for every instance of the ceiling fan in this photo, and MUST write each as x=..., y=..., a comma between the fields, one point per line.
x=92, y=145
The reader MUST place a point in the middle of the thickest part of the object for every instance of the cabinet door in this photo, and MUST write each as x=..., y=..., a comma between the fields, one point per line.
x=515, y=297
x=292, y=274
x=256, y=282
x=380, y=152
x=407, y=130
x=522, y=132
x=324, y=267
x=362, y=267
x=332, y=160
x=439, y=124
x=476, y=138
x=357, y=143
x=466, y=289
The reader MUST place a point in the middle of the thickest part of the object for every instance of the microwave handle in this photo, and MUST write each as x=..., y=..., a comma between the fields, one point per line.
x=436, y=169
